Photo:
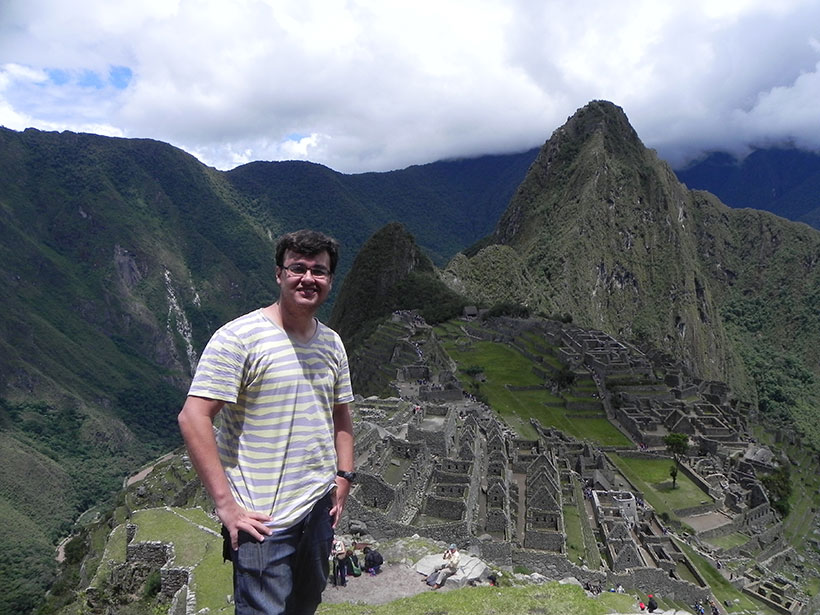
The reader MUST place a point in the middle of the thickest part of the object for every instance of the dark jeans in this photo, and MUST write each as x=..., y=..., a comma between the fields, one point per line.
x=285, y=573
x=341, y=568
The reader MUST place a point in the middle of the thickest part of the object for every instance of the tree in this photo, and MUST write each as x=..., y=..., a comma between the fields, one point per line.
x=677, y=444
x=673, y=472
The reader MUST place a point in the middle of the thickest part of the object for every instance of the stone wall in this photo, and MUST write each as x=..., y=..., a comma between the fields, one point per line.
x=444, y=508
x=375, y=491
x=153, y=554
x=696, y=510
x=383, y=529
x=544, y=540
x=173, y=579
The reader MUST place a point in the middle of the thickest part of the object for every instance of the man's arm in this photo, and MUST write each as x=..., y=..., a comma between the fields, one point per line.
x=196, y=424
x=343, y=440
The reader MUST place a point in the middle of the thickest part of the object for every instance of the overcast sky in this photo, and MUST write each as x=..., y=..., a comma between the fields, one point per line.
x=375, y=85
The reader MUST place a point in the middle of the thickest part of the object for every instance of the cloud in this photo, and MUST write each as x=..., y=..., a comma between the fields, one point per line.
x=365, y=85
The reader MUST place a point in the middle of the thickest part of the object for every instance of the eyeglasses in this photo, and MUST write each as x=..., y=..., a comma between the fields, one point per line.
x=297, y=270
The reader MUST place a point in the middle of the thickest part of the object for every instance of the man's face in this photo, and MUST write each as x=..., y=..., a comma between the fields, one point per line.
x=305, y=291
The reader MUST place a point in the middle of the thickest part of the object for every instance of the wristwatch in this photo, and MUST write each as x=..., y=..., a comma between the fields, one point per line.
x=349, y=476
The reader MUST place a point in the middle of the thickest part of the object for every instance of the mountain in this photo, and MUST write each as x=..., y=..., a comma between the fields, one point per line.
x=783, y=181
x=601, y=230
x=390, y=272
x=119, y=259
x=463, y=197
x=121, y=256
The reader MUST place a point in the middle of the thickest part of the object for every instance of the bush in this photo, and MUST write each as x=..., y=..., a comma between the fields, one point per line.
x=153, y=585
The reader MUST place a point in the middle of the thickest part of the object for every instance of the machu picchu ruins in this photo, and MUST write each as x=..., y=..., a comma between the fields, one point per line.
x=436, y=461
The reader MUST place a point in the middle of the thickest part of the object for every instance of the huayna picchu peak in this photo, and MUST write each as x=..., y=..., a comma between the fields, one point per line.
x=607, y=234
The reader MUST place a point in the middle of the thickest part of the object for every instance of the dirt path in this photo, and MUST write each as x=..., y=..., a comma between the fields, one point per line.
x=395, y=581
x=145, y=471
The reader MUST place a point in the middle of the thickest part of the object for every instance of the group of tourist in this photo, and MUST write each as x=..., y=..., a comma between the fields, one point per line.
x=345, y=562
x=650, y=606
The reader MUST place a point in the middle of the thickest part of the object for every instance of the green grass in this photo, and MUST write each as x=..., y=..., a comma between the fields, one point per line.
x=592, y=556
x=729, y=541
x=191, y=543
x=651, y=476
x=213, y=581
x=504, y=366
x=199, y=516
x=114, y=552
x=193, y=547
x=547, y=599
x=575, y=535
x=595, y=429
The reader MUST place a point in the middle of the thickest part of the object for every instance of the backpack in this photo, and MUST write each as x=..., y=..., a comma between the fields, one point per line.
x=354, y=567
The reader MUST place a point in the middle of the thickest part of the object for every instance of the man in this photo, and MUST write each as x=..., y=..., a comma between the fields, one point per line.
x=280, y=466
x=452, y=559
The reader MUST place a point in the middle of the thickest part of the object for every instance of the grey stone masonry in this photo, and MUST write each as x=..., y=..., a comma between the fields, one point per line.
x=457, y=472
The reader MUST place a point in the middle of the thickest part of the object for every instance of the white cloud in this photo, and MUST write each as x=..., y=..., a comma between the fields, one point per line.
x=373, y=84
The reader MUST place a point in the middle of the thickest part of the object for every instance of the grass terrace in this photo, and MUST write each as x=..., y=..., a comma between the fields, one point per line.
x=729, y=541
x=651, y=476
x=576, y=551
x=114, y=553
x=194, y=547
x=505, y=371
x=548, y=599
x=171, y=526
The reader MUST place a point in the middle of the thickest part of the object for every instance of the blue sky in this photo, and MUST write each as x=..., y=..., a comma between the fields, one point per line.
x=382, y=84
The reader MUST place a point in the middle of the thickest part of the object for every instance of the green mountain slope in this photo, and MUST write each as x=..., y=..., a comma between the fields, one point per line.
x=784, y=181
x=390, y=273
x=463, y=198
x=602, y=230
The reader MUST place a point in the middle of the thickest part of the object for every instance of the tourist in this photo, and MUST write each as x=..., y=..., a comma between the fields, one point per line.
x=353, y=567
x=373, y=561
x=278, y=498
x=452, y=558
x=338, y=556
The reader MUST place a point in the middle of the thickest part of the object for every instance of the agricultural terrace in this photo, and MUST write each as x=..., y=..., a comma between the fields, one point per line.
x=194, y=546
x=505, y=379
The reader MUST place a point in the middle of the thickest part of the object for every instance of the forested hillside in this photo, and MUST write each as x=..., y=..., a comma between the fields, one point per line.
x=120, y=257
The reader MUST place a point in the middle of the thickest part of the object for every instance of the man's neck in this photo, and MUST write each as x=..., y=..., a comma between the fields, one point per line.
x=301, y=326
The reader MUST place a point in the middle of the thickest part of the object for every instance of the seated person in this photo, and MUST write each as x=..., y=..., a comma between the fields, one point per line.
x=450, y=566
x=353, y=563
x=373, y=561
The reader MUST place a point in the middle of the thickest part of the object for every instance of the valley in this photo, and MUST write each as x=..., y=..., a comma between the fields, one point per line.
x=470, y=448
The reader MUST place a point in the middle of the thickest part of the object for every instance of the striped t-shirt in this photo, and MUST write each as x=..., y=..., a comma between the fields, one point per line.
x=275, y=439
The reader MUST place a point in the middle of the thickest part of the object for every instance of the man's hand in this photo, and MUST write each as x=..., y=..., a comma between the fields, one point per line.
x=236, y=519
x=339, y=498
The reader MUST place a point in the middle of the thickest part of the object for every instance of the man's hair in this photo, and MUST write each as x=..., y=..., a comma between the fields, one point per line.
x=307, y=243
